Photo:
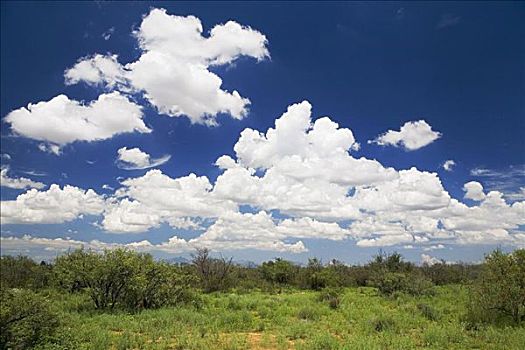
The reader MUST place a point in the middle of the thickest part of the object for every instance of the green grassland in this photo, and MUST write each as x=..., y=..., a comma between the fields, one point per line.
x=291, y=319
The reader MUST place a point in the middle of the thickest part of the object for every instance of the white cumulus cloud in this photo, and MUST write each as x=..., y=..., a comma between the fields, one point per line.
x=474, y=190
x=173, y=69
x=304, y=171
x=146, y=202
x=56, y=205
x=134, y=158
x=96, y=70
x=18, y=183
x=412, y=135
x=60, y=120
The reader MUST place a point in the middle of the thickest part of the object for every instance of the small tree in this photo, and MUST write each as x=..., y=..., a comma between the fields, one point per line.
x=390, y=274
x=279, y=271
x=105, y=276
x=499, y=292
x=315, y=278
x=390, y=262
x=122, y=277
x=213, y=272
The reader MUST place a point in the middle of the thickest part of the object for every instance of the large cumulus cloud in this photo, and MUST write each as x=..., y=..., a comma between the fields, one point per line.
x=173, y=70
x=299, y=180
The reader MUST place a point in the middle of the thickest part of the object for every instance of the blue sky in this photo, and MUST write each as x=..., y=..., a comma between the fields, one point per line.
x=369, y=67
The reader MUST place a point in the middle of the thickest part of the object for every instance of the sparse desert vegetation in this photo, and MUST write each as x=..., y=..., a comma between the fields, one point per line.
x=126, y=300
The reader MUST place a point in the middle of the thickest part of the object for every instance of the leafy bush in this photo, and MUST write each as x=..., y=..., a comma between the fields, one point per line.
x=499, y=292
x=25, y=319
x=22, y=272
x=122, y=277
x=105, y=276
x=315, y=276
x=155, y=284
x=417, y=285
x=279, y=271
x=189, y=296
x=391, y=263
x=390, y=274
x=389, y=282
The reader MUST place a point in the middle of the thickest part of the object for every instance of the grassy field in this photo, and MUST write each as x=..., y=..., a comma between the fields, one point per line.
x=293, y=319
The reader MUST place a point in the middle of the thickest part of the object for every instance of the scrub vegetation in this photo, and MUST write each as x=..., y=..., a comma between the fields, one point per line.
x=122, y=299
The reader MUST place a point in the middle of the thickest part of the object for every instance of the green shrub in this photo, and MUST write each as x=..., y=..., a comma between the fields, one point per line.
x=298, y=330
x=315, y=276
x=499, y=292
x=279, y=271
x=189, y=296
x=23, y=272
x=389, y=282
x=417, y=284
x=156, y=284
x=26, y=319
x=444, y=273
x=122, y=277
x=390, y=262
x=413, y=283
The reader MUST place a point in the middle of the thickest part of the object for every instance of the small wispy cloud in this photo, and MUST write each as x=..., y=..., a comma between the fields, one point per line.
x=433, y=247
x=448, y=20
x=107, y=34
x=107, y=187
x=516, y=196
x=50, y=148
x=33, y=172
x=448, y=165
x=17, y=182
x=135, y=159
x=510, y=181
